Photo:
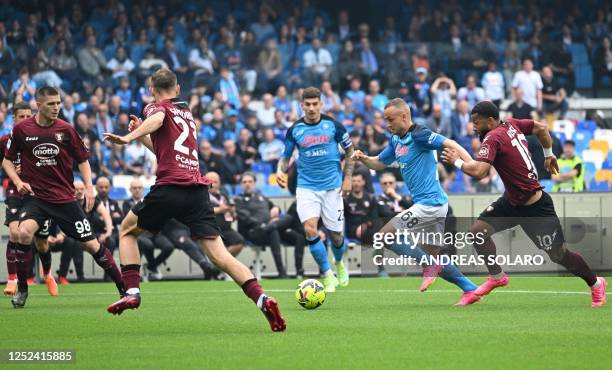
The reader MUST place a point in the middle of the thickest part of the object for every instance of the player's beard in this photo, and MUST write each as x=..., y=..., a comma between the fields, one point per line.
x=482, y=134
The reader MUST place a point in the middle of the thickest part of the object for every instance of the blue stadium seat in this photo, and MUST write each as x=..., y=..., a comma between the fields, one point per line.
x=118, y=193
x=561, y=136
x=607, y=165
x=586, y=125
x=599, y=186
x=273, y=191
x=377, y=187
x=584, y=76
x=589, y=167
x=260, y=167
x=548, y=185
x=579, y=54
x=456, y=187
x=582, y=139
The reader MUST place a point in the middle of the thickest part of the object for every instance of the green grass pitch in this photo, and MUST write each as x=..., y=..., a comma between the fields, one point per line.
x=535, y=323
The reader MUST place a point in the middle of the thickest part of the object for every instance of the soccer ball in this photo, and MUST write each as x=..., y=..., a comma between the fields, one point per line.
x=310, y=294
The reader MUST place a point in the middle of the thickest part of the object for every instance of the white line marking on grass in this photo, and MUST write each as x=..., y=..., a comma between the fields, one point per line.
x=353, y=291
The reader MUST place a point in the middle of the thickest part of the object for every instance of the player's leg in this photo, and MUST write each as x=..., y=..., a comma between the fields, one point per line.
x=220, y=257
x=309, y=211
x=44, y=254
x=543, y=227
x=332, y=214
x=27, y=228
x=11, y=252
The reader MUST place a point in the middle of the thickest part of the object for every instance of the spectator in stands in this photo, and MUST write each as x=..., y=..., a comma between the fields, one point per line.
x=571, y=170
x=369, y=110
x=443, y=91
x=225, y=213
x=257, y=220
x=530, y=82
x=361, y=212
x=349, y=64
x=209, y=161
x=247, y=147
x=137, y=191
x=232, y=163
x=519, y=109
x=390, y=203
x=120, y=65
x=471, y=92
x=439, y=123
x=244, y=111
x=537, y=155
x=265, y=112
x=139, y=160
x=63, y=62
x=317, y=63
x=229, y=88
x=151, y=62
x=202, y=61
x=23, y=87
x=378, y=100
x=282, y=102
x=103, y=187
x=373, y=141
x=602, y=64
x=329, y=99
x=269, y=66
x=419, y=93
x=356, y=95
x=262, y=29
x=369, y=61
x=175, y=60
x=493, y=84
x=91, y=59
x=68, y=110
x=460, y=122
x=271, y=149
x=103, y=122
x=554, y=97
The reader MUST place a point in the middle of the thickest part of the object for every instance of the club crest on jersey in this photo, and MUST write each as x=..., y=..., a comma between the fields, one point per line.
x=401, y=150
x=484, y=151
x=59, y=136
x=311, y=140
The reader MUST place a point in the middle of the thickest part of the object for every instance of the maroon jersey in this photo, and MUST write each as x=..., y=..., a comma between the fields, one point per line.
x=176, y=145
x=48, y=155
x=505, y=148
x=11, y=189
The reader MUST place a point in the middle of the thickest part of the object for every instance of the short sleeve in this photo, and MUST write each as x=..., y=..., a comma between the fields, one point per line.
x=151, y=109
x=341, y=136
x=427, y=139
x=488, y=150
x=387, y=156
x=79, y=150
x=13, y=145
x=289, y=144
x=524, y=125
x=538, y=81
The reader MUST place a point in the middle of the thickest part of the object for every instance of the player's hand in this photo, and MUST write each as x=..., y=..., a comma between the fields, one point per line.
x=358, y=155
x=135, y=122
x=281, y=179
x=551, y=165
x=24, y=188
x=103, y=237
x=59, y=238
x=89, y=198
x=450, y=155
x=347, y=186
x=116, y=139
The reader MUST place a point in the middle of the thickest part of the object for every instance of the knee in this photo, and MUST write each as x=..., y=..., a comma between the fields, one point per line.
x=556, y=254
x=310, y=230
x=337, y=238
x=25, y=236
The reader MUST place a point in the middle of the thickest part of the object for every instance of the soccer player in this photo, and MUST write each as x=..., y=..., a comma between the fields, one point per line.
x=413, y=147
x=524, y=202
x=320, y=184
x=180, y=192
x=14, y=202
x=48, y=148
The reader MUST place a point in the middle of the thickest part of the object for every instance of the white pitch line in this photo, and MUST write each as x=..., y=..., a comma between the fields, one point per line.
x=353, y=291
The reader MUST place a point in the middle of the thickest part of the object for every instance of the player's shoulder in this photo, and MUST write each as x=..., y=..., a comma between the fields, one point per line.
x=421, y=133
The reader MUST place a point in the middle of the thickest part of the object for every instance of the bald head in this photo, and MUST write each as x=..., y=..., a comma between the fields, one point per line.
x=397, y=115
x=103, y=187
x=79, y=189
x=137, y=189
x=215, y=180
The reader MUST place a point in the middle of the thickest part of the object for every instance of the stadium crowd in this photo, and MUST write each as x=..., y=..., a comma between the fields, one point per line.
x=242, y=67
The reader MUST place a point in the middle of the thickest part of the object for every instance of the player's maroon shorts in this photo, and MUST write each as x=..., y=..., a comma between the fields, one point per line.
x=539, y=220
x=13, y=205
x=188, y=204
x=69, y=217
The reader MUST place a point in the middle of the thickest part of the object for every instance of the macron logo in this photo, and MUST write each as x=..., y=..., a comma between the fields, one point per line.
x=311, y=140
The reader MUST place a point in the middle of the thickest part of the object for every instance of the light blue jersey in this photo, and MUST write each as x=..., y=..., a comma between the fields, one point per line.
x=318, y=164
x=415, y=154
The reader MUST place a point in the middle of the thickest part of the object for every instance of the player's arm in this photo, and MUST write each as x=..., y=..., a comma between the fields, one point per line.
x=108, y=222
x=456, y=155
x=349, y=166
x=540, y=130
x=148, y=126
x=136, y=122
x=371, y=162
x=282, y=167
x=11, y=172
x=85, y=170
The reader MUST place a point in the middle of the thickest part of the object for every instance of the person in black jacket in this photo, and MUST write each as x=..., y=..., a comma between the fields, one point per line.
x=103, y=188
x=257, y=218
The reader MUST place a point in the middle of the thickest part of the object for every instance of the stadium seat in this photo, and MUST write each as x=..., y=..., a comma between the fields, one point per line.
x=456, y=187
x=601, y=145
x=603, y=175
x=118, y=193
x=582, y=139
x=594, y=156
x=564, y=126
x=273, y=191
x=584, y=76
x=561, y=136
x=260, y=167
x=587, y=125
x=579, y=54
x=548, y=185
x=599, y=185
x=602, y=134
x=607, y=165
x=377, y=187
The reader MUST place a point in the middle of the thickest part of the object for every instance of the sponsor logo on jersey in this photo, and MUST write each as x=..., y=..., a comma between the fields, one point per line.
x=484, y=151
x=401, y=150
x=31, y=138
x=311, y=140
x=46, y=151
